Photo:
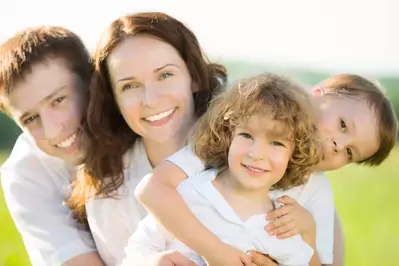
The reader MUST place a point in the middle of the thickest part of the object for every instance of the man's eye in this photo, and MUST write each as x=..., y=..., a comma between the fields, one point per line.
x=58, y=100
x=30, y=119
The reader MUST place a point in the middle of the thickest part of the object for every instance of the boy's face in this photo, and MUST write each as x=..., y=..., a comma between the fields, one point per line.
x=48, y=104
x=349, y=130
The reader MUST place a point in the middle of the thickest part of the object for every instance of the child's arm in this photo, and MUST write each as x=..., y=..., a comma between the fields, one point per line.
x=157, y=192
x=316, y=214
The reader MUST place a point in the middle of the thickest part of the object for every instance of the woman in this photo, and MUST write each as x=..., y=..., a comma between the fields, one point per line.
x=151, y=83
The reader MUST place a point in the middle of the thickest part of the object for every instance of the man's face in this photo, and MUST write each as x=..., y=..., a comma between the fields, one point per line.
x=48, y=104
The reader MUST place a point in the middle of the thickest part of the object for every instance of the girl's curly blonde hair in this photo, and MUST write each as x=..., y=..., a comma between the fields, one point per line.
x=270, y=94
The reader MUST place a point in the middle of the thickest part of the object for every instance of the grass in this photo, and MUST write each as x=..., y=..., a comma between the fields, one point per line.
x=367, y=200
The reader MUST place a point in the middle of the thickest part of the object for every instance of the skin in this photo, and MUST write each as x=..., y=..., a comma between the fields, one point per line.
x=48, y=104
x=153, y=82
x=347, y=129
x=53, y=113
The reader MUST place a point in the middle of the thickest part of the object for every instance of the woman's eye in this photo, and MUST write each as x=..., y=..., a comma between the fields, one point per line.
x=129, y=86
x=166, y=75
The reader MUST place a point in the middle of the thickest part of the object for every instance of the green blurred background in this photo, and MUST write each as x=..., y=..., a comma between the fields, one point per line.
x=367, y=199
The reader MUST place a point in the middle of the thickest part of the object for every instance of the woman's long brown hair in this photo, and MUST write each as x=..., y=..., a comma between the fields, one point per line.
x=106, y=134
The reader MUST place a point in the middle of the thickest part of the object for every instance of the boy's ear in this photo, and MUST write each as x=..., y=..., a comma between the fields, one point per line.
x=318, y=91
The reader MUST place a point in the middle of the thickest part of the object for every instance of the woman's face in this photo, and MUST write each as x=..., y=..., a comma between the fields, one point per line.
x=152, y=87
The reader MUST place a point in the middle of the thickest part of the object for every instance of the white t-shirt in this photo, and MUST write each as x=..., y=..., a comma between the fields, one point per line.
x=316, y=196
x=35, y=188
x=215, y=213
x=113, y=220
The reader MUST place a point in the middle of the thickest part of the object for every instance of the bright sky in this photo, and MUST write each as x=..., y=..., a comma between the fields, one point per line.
x=339, y=35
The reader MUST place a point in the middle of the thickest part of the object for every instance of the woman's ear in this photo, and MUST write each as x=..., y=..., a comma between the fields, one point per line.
x=194, y=87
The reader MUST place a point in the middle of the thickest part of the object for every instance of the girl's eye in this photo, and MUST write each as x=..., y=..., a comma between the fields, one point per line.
x=277, y=143
x=246, y=135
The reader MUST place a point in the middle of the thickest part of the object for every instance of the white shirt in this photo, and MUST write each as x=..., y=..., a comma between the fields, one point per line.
x=316, y=196
x=35, y=188
x=211, y=208
x=113, y=220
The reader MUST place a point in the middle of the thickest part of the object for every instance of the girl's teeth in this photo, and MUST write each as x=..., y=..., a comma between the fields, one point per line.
x=68, y=142
x=255, y=169
x=159, y=116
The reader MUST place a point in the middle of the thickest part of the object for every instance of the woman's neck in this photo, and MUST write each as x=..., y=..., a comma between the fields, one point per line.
x=159, y=151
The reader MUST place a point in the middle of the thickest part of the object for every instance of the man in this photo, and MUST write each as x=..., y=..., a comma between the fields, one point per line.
x=44, y=77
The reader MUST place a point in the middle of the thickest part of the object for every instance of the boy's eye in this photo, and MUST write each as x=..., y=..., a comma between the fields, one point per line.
x=343, y=124
x=30, y=119
x=245, y=135
x=349, y=152
x=166, y=75
x=277, y=143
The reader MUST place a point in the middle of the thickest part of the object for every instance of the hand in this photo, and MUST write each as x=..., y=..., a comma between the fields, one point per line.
x=228, y=255
x=290, y=219
x=259, y=259
x=167, y=258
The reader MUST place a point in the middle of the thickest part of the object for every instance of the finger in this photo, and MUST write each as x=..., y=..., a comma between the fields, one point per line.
x=261, y=259
x=279, y=222
x=283, y=229
x=286, y=200
x=288, y=234
x=246, y=260
x=278, y=212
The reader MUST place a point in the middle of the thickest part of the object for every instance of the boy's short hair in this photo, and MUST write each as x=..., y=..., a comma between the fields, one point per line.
x=360, y=88
x=277, y=98
x=36, y=45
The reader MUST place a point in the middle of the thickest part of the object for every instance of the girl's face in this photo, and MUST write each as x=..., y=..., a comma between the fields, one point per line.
x=348, y=129
x=259, y=153
x=152, y=87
